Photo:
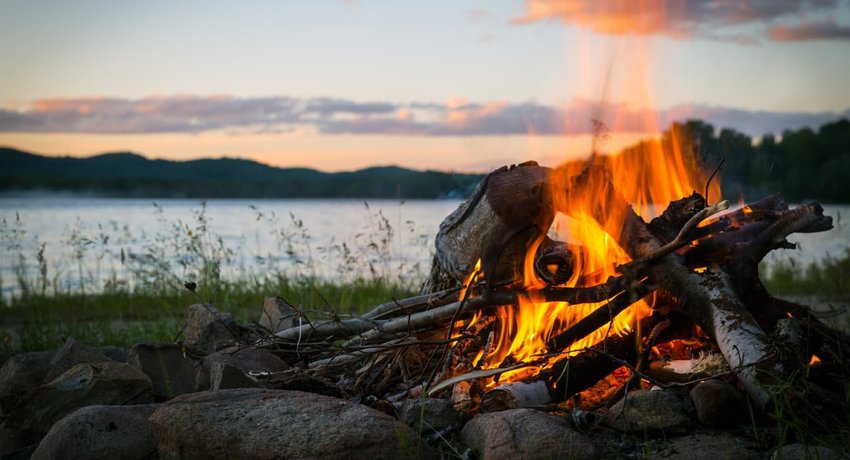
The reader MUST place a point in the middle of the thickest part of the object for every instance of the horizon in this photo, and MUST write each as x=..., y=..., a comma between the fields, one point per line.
x=346, y=85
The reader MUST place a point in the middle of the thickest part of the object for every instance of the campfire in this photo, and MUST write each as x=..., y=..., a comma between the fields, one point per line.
x=568, y=285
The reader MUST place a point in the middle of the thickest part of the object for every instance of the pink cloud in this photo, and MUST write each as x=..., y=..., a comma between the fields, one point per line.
x=820, y=30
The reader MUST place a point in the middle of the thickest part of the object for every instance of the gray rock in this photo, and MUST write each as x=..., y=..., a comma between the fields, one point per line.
x=718, y=404
x=5, y=356
x=71, y=354
x=224, y=376
x=277, y=315
x=272, y=424
x=118, y=354
x=805, y=452
x=13, y=443
x=172, y=373
x=525, y=433
x=100, y=432
x=651, y=412
x=108, y=383
x=435, y=413
x=227, y=368
x=719, y=446
x=20, y=374
x=209, y=329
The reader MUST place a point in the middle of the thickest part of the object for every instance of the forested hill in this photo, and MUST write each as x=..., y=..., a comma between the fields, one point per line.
x=802, y=164
x=131, y=175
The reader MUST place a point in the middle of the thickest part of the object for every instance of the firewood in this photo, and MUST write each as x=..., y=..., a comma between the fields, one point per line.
x=708, y=298
x=507, y=216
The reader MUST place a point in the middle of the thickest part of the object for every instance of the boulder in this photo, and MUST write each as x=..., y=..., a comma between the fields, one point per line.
x=118, y=354
x=100, y=432
x=277, y=315
x=227, y=369
x=805, y=452
x=652, y=412
x=719, y=404
x=277, y=424
x=525, y=433
x=71, y=354
x=428, y=414
x=172, y=373
x=20, y=374
x=15, y=443
x=210, y=330
x=710, y=447
x=83, y=385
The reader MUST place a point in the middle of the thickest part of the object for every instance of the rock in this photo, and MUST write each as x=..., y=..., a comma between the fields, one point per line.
x=14, y=443
x=525, y=433
x=100, y=432
x=227, y=369
x=652, y=412
x=5, y=356
x=277, y=315
x=209, y=329
x=802, y=451
x=270, y=424
x=118, y=354
x=718, y=404
x=71, y=354
x=20, y=374
x=225, y=376
x=172, y=373
x=710, y=447
x=435, y=413
x=83, y=385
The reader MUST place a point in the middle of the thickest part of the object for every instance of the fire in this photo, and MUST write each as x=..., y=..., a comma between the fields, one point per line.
x=648, y=175
x=651, y=175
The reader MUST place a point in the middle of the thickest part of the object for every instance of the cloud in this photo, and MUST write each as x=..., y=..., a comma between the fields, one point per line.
x=820, y=30
x=148, y=115
x=330, y=106
x=742, y=22
x=457, y=116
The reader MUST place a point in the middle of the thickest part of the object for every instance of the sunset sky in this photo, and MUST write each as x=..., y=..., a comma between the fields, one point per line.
x=455, y=84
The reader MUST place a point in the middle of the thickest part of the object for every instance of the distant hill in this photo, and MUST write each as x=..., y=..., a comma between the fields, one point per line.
x=125, y=174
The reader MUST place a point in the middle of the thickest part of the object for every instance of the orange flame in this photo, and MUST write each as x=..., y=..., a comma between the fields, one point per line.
x=649, y=176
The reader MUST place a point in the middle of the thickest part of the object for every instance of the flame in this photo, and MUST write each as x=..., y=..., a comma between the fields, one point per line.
x=814, y=360
x=649, y=176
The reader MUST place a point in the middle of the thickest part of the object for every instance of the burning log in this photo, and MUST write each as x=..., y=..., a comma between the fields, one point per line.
x=708, y=298
x=506, y=217
x=703, y=265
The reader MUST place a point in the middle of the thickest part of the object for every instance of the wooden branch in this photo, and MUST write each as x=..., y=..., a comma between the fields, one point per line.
x=413, y=304
x=708, y=299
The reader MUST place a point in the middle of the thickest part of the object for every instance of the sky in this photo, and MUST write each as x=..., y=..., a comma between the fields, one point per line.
x=463, y=85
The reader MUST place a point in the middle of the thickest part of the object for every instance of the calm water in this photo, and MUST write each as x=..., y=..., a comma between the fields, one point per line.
x=88, y=242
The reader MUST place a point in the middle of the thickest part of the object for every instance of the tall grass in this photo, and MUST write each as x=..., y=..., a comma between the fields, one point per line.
x=119, y=294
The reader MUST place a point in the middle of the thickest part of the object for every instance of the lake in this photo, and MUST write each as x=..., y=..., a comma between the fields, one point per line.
x=86, y=243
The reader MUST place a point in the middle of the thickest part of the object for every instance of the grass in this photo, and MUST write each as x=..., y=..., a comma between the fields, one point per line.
x=829, y=279
x=148, y=301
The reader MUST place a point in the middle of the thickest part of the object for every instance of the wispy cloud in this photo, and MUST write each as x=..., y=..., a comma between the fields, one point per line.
x=457, y=116
x=744, y=22
x=819, y=30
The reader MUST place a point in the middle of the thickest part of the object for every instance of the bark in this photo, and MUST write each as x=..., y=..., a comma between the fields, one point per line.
x=708, y=298
x=507, y=216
